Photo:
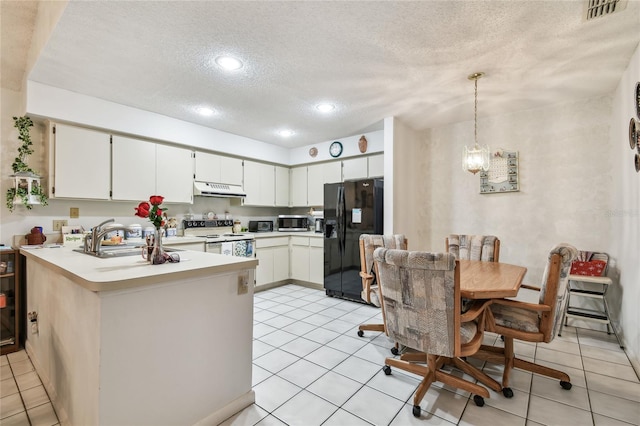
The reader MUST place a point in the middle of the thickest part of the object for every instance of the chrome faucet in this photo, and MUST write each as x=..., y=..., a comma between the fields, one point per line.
x=98, y=233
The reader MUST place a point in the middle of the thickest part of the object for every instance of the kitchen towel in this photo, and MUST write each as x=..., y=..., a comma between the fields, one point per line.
x=240, y=248
x=227, y=248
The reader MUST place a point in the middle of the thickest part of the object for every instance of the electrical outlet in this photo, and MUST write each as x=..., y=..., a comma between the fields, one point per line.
x=58, y=224
x=243, y=284
x=74, y=212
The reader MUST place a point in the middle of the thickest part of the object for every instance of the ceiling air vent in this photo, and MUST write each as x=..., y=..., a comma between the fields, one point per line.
x=597, y=8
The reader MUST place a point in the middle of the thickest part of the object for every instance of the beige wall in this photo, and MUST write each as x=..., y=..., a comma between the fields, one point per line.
x=577, y=185
x=624, y=215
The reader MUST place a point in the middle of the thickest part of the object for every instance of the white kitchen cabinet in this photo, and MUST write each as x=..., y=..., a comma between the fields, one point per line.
x=282, y=186
x=298, y=187
x=316, y=260
x=80, y=163
x=259, y=184
x=363, y=167
x=141, y=169
x=174, y=174
x=355, y=168
x=218, y=169
x=307, y=259
x=315, y=185
x=332, y=172
x=376, y=166
x=133, y=169
x=273, y=260
x=300, y=258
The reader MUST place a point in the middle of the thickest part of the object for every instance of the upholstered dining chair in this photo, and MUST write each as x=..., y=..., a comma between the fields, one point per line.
x=473, y=247
x=370, y=288
x=421, y=296
x=532, y=322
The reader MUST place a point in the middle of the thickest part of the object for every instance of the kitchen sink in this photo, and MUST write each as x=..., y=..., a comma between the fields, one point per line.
x=121, y=250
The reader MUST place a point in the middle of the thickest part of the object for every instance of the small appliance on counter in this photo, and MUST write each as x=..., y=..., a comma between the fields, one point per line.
x=260, y=226
x=319, y=225
x=292, y=222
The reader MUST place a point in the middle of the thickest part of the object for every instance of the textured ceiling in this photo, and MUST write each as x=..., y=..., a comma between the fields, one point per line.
x=372, y=59
x=17, y=24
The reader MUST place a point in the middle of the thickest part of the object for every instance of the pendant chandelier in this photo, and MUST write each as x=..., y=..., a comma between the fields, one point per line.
x=475, y=158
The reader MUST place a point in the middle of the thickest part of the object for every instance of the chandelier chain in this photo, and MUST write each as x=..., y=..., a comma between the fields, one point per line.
x=475, y=114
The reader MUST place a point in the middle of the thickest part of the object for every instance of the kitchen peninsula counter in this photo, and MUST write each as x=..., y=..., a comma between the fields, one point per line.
x=120, y=342
x=106, y=274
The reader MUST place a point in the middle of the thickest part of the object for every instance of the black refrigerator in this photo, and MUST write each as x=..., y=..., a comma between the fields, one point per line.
x=351, y=208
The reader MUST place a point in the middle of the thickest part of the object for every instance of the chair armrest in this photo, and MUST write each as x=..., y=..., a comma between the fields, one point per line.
x=476, y=309
x=523, y=305
x=530, y=287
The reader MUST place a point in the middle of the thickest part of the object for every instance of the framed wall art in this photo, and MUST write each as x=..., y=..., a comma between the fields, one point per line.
x=502, y=175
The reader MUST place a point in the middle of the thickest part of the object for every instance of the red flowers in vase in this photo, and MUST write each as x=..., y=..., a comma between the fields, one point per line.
x=152, y=210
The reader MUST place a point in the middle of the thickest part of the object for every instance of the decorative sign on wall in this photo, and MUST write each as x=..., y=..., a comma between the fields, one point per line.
x=502, y=175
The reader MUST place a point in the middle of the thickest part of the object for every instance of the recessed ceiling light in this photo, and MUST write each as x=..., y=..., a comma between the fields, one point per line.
x=286, y=133
x=205, y=111
x=229, y=63
x=325, y=107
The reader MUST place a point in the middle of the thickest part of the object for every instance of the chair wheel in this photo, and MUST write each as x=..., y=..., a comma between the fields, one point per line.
x=502, y=338
x=478, y=400
x=360, y=333
x=387, y=371
x=507, y=392
x=416, y=411
x=565, y=385
x=394, y=351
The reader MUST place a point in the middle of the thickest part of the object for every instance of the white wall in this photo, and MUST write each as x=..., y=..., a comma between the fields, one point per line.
x=624, y=213
x=577, y=185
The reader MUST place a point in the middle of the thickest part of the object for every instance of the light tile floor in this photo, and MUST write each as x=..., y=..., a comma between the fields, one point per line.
x=311, y=368
x=23, y=399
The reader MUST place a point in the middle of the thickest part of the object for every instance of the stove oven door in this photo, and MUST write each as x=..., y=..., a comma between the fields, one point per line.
x=214, y=248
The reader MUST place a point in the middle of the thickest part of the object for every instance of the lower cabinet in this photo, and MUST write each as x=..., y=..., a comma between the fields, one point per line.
x=307, y=259
x=296, y=258
x=273, y=260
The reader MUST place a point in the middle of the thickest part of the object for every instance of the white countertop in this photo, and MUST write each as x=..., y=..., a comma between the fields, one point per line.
x=104, y=274
x=287, y=234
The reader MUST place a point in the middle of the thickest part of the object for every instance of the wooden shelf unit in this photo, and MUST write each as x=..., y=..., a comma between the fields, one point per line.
x=11, y=313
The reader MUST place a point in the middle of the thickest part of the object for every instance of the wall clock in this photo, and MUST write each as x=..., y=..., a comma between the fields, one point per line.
x=335, y=149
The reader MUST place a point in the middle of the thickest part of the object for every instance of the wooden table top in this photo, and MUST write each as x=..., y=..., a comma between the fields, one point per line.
x=489, y=280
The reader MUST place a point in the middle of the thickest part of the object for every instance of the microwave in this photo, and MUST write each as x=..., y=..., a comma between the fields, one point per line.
x=290, y=222
x=260, y=226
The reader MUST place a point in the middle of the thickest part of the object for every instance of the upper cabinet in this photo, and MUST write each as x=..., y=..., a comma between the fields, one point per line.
x=141, y=169
x=134, y=169
x=218, y=169
x=298, y=187
x=363, y=167
x=120, y=168
x=282, y=186
x=376, y=166
x=174, y=174
x=259, y=184
x=80, y=163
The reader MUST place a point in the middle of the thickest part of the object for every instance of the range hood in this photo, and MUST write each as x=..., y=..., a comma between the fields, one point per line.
x=208, y=189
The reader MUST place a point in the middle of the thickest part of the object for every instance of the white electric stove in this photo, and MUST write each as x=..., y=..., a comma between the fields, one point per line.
x=219, y=237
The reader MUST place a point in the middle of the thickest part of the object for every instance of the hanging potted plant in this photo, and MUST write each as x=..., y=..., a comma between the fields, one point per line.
x=26, y=187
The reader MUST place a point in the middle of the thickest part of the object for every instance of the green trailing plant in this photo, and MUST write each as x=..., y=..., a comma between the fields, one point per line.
x=20, y=167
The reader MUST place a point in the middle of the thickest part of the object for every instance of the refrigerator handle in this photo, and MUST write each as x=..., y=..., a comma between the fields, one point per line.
x=341, y=221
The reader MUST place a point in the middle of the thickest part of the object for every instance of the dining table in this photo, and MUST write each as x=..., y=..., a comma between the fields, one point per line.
x=489, y=280
x=481, y=280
